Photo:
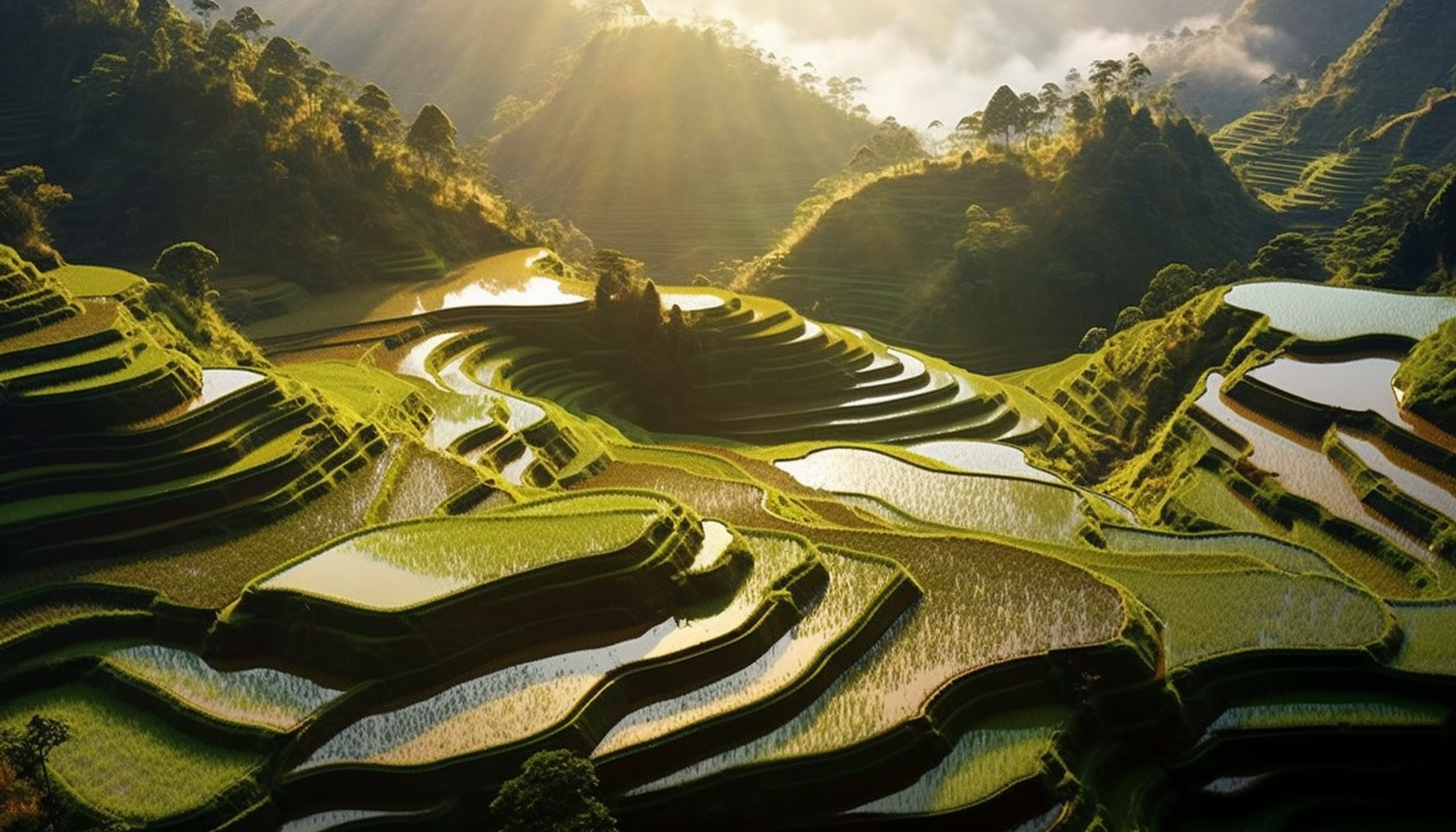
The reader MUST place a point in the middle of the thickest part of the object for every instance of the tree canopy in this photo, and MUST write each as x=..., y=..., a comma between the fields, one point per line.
x=188, y=264
x=555, y=792
x=26, y=201
x=182, y=128
x=432, y=135
x=1004, y=114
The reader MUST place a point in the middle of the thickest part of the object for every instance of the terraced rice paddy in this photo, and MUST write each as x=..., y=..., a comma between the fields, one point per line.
x=217, y=384
x=1318, y=313
x=1314, y=186
x=506, y=280
x=1301, y=469
x=126, y=763
x=1430, y=636
x=1014, y=507
x=1210, y=614
x=263, y=696
x=749, y=635
x=988, y=759
x=1429, y=486
x=1356, y=385
x=511, y=705
x=982, y=458
x=855, y=583
x=1322, y=710
x=898, y=678
x=410, y=565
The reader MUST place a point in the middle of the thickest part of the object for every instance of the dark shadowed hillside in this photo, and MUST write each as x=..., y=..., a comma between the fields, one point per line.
x=1226, y=71
x=995, y=267
x=1401, y=62
x=1386, y=102
x=676, y=147
x=165, y=128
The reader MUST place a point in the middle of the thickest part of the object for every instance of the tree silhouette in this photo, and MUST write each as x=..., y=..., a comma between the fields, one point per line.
x=153, y=13
x=1169, y=289
x=1003, y=114
x=1128, y=318
x=190, y=265
x=1104, y=78
x=1082, y=110
x=555, y=792
x=1290, y=255
x=1135, y=73
x=1094, y=340
x=432, y=136
x=28, y=751
x=249, y=23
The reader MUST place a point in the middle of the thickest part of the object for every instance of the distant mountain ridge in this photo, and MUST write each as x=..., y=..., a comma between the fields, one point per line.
x=1387, y=101
x=1222, y=69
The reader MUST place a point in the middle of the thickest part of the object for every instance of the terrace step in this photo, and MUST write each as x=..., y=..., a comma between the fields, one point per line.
x=612, y=570
x=271, y=479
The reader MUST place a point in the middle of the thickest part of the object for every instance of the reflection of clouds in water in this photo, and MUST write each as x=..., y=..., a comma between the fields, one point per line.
x=538, y=291
x=691, y=301
x=942, y=59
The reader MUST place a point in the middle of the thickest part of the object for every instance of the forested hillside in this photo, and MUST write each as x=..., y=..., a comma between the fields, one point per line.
x=1401, y=64
x=998, y=259
x=679, y=146
x=1316, y=153
x=165, y=128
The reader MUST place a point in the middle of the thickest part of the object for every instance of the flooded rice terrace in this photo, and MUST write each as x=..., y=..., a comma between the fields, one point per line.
x=510, y=279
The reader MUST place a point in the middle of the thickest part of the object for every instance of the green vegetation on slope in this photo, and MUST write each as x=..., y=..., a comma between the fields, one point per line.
x=1428, y=377
x=1403, y=236
x=167, y=129
x=1385, y=73
x=985, y=262
x=676, y=146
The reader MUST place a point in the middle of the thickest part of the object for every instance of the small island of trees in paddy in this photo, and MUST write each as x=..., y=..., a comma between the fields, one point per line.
x=304, y=527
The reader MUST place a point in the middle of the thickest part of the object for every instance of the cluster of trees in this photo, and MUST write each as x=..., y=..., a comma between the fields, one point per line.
x=167, y=126
x=1403, y=236
x=26, y=202
x=842, y=92
x=655, y=346
x=556, y=791
x=28, y=799
x=1134, y=194
x=1173, y=286
x=1009, y=115
x=627, y=302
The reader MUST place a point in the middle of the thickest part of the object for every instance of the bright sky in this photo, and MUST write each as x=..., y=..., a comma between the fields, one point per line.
x=925, y=60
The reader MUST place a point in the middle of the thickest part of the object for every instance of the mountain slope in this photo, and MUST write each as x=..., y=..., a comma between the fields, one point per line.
x=464, y=55
x=166, y=129
x=995, y=268
x=676, y=147
x=1386, y=102
x=1387, y=72
x=1221, y=69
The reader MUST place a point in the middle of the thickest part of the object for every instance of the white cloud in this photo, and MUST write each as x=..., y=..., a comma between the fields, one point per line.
x=923, y=60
